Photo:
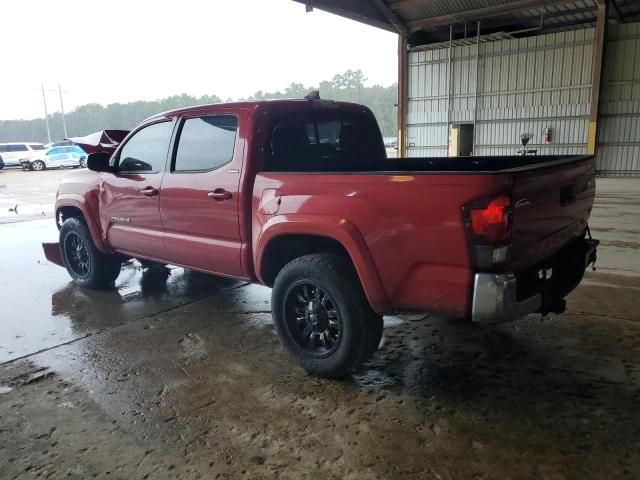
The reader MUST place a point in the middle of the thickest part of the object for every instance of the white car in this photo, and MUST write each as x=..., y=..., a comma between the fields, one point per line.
x=56, y=157
x=12, y=153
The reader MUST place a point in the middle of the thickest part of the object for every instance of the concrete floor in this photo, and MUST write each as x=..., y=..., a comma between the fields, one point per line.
x=180, y=375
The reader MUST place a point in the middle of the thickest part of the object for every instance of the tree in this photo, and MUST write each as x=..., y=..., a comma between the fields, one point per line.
x=347, y=86
x=349, y=79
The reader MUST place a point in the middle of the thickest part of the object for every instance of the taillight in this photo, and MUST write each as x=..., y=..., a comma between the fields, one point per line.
x=492, y=223
x=489, y=222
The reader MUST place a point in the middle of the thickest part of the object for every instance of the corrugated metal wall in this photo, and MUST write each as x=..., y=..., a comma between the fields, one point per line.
x=619, y=133
x=524, y=86
x=427, y=109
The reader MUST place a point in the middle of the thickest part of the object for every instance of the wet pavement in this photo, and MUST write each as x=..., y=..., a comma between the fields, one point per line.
x=175, y=374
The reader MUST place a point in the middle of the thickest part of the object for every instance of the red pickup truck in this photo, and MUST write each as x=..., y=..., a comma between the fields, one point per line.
x=298, y=195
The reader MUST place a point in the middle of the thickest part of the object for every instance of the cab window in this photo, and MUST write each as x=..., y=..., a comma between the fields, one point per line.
x=326, y=140
x=206, y=143
x=146, y=150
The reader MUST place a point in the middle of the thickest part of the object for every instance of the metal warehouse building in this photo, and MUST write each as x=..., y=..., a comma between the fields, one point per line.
x=475, y=76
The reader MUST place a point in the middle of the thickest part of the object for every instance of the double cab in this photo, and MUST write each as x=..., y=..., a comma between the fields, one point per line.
x=299, y=195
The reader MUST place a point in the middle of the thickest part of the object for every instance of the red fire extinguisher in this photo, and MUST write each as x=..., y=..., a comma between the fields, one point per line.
x=547, y=135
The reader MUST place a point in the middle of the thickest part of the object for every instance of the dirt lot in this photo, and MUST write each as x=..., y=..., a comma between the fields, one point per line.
x=33, y=193
x=179, y=375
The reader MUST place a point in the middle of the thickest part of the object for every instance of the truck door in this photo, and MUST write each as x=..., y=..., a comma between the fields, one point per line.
x=129, y=199
x=200, y=195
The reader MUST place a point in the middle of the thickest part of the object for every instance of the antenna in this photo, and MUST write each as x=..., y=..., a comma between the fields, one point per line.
x=313, y=95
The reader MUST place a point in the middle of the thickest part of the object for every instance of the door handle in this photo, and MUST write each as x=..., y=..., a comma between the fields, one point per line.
x=149, y=191
x=220, y=195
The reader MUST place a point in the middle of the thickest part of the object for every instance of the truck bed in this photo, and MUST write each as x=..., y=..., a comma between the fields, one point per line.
x=434, y=165
x=409, y=212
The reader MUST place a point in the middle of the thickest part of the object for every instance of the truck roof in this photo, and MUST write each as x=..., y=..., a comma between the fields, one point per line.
x=278, y=105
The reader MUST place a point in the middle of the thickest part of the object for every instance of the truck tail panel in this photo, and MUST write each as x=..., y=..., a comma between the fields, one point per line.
x=551, y=207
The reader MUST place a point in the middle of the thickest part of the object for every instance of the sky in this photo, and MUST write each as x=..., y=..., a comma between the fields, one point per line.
x=122, y=51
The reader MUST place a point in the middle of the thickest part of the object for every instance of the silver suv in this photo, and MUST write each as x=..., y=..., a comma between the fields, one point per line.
x=12, y=153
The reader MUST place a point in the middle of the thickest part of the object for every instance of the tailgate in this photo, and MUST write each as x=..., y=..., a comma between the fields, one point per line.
x=551, y=207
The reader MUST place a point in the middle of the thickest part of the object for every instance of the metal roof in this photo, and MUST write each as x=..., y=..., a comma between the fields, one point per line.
x=428, y=21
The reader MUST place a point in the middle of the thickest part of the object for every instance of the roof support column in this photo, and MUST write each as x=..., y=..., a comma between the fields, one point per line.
x=403, y=70
x=475, y=94
x=596, y=75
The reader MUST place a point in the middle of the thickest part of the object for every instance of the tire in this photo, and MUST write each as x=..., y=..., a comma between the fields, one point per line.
x=87, y=265
x=38, y=166
x=83, y=163
x=322, y=315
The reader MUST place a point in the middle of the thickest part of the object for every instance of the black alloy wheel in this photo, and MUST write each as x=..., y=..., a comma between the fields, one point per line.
x=313, y=319
x=77, y=254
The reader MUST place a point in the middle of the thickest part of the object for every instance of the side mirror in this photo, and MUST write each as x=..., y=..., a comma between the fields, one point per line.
x=99, y=162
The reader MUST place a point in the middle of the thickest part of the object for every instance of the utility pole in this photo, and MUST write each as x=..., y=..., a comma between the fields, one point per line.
x=46, y=115
x=64, y=124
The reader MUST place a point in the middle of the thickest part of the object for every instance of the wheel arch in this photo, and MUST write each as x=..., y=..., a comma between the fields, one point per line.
x=71, y=207
x=284, y=239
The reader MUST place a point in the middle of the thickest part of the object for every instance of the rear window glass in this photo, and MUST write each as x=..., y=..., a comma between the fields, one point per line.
x=37, y=147
x=206, y=143
x=4, y=148
x=324, y=140
x=18, y=148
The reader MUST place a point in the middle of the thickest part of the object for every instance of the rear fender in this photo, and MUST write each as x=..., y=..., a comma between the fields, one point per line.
x=90, y=217
x=338, y=229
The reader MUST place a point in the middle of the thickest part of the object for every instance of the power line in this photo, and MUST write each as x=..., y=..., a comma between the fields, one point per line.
x=46, y=115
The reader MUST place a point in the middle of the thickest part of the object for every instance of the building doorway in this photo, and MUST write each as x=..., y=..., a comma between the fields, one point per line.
x=461, y=140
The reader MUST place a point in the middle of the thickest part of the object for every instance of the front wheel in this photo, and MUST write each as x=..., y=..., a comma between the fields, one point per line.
x=87, y=265
x=38, y=165
x=83, y=163
x=322, y=315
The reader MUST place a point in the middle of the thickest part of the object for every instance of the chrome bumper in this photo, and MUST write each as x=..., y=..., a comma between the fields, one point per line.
x=494, y=299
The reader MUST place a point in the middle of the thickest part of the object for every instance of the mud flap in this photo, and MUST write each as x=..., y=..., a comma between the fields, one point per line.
x=52, y=253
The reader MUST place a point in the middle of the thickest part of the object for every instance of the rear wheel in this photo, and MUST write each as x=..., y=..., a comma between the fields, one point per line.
x=38, y=165
x=87, y=265
x=322, y=315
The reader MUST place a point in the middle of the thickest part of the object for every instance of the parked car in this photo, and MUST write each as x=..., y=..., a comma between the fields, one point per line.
x=13, y=153
x=60, y=143
x=259, y=191
x=56, y=157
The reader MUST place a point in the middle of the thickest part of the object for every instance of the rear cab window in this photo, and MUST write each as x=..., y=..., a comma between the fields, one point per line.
x=324, y=140
x=205, y=143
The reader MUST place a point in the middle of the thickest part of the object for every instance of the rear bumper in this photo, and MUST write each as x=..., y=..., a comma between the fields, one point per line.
x=502, y=297
x=495, y=301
